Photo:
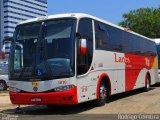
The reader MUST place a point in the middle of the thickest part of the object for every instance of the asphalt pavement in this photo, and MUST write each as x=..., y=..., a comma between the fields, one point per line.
x=134, y=105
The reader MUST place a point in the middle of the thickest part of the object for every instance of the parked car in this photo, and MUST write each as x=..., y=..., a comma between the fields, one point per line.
x=4, y=76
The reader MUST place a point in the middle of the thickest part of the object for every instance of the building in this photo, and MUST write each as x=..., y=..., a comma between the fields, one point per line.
x=15, y=11
x=1, y=20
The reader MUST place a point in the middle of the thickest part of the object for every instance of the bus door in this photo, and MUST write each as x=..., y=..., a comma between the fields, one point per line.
x=84, y=59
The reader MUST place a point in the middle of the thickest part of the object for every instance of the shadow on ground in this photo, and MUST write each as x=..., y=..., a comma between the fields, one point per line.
x=69, y=110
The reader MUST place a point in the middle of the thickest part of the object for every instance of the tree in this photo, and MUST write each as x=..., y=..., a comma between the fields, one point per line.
x=145, y=21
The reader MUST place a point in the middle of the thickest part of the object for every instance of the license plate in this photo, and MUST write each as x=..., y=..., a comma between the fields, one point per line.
x=36, y=99
x=35, y=83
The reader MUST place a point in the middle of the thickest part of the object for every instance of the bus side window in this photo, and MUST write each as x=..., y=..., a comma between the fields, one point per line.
x=86, y=31
x=18, y=57
x=107, y=37
x=102, y=36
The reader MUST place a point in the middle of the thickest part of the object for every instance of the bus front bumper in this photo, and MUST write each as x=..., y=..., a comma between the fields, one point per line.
x=68, y=97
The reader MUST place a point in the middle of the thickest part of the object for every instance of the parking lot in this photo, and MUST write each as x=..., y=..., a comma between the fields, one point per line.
x=134, y=102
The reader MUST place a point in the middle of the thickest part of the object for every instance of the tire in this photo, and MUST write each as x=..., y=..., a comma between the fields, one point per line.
x=103, y=95
x=147, y=84
x=3, y=85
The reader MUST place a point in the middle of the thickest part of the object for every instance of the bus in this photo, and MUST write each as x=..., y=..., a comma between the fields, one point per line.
x=67, y=59
x=158, y=52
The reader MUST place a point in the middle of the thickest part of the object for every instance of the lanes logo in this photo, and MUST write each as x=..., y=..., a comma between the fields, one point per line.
x=121, y=59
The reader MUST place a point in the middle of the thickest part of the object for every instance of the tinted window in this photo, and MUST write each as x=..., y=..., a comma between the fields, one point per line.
x=101, y=35
x=43, y=50
x=114, y=39
x=137, y=45
x=107, y=37
x=130, y=43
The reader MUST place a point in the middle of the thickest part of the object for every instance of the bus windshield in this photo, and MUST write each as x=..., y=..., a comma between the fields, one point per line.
x=43, y=50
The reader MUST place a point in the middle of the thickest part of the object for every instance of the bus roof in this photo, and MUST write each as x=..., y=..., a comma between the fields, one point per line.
x=157, y=40
x=81, y=15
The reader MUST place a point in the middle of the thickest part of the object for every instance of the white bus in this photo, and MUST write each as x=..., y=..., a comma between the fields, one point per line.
x=68, y=59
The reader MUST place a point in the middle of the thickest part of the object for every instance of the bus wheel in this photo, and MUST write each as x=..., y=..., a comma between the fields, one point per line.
x=147, y=84
x=103, y=95
x=3, y=85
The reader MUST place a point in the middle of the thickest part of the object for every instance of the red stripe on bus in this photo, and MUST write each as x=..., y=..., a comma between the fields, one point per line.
x=134, y=67
x=68, y=97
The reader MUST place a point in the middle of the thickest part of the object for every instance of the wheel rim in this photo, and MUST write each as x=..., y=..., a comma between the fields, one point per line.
x=2, y=86
x=103, y=91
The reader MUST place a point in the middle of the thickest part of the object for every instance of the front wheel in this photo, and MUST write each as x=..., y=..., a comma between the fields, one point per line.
x=103, y=95
x=147, y=84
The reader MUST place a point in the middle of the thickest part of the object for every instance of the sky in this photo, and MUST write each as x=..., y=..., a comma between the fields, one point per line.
x=110, y=10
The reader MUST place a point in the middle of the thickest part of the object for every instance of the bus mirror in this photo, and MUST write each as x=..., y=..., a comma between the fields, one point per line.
x=78, y=35
x=82, y=46
x=3, y=52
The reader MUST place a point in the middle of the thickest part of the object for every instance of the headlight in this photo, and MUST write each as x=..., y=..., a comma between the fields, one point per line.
x=13, y=89
x=63, y=88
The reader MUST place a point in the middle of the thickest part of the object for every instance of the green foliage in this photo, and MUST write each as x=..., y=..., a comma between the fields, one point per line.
x=145, y=21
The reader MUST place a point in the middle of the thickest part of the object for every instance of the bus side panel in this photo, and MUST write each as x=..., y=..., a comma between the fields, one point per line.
x=113, y=65
x=136, y=70
x=104, y=62
x=140, y=82
x=87, y=85
x=125, y=71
